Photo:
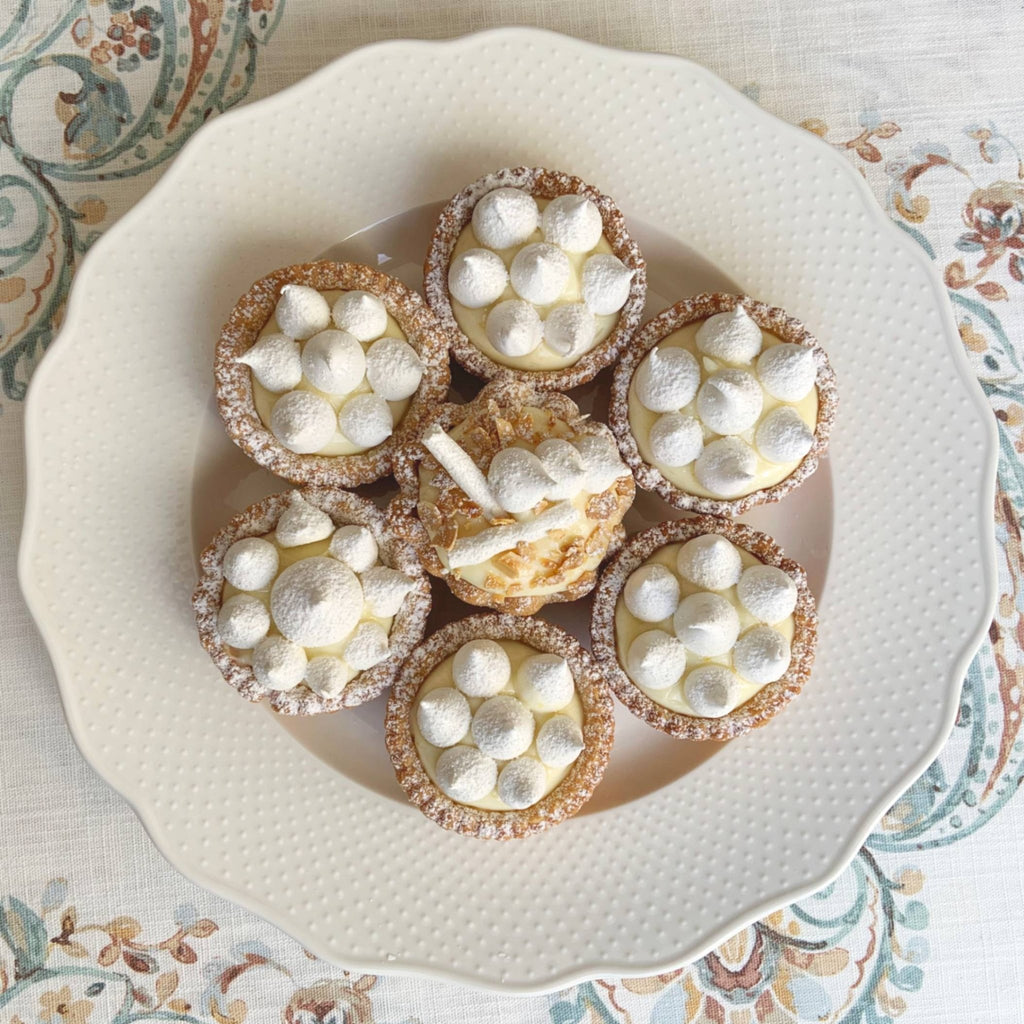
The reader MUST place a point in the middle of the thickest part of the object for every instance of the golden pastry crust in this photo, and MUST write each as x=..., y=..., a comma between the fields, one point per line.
x=769, y=318
x=493, y=421
x=260, y=519
x=568, y=796
x=234, y=382
x=769, y=700
x=543, y=184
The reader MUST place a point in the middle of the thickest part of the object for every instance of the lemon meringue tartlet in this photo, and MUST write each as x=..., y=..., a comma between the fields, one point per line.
x=306, y=599
x=513, y=499
x=721, y=403
x=499, y=727
x=533, y=273
x=322, y=367
x=704, y=629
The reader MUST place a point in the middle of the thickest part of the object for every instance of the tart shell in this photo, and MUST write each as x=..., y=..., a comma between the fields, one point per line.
x=769, y=318
x=260, y=519
x=769, y=700
x=234, y=382
x=543, y=184
x=506, y=395
x=566, y=798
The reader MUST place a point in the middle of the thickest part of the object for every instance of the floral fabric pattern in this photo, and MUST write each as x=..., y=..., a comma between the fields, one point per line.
x=127, y=83
x=123, y=84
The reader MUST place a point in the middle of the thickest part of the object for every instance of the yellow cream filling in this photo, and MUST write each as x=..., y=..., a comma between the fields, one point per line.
x=473, y=321
x=265, y=400
x=641, y=419
x=628, y=628
x=441, y=676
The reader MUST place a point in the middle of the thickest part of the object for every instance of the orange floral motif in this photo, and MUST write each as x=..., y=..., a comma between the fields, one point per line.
x=59, y=1008
x=331, y=1000
x=995, y=217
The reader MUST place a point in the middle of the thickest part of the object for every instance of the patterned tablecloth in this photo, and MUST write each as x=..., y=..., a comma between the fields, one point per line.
x=927, y=102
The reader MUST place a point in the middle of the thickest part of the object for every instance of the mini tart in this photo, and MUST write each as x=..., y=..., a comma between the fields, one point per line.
x=434, y=513
x=543, y=185
x=769, y=700
x=575, y=784
x=236, y=394
x=777, y=327
x=406, y=626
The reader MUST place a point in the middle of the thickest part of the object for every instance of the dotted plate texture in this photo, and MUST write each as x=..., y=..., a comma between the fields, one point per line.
x=107, y=560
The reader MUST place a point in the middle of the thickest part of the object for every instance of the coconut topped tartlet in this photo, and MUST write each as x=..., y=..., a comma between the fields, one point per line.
x=534, y=274
x=513, y=499
x=323, y=367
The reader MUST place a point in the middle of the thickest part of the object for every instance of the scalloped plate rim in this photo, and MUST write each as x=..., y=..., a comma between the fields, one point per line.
x=606, y=968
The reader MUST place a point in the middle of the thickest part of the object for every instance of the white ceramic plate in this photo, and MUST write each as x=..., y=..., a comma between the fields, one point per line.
x=129, y=473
